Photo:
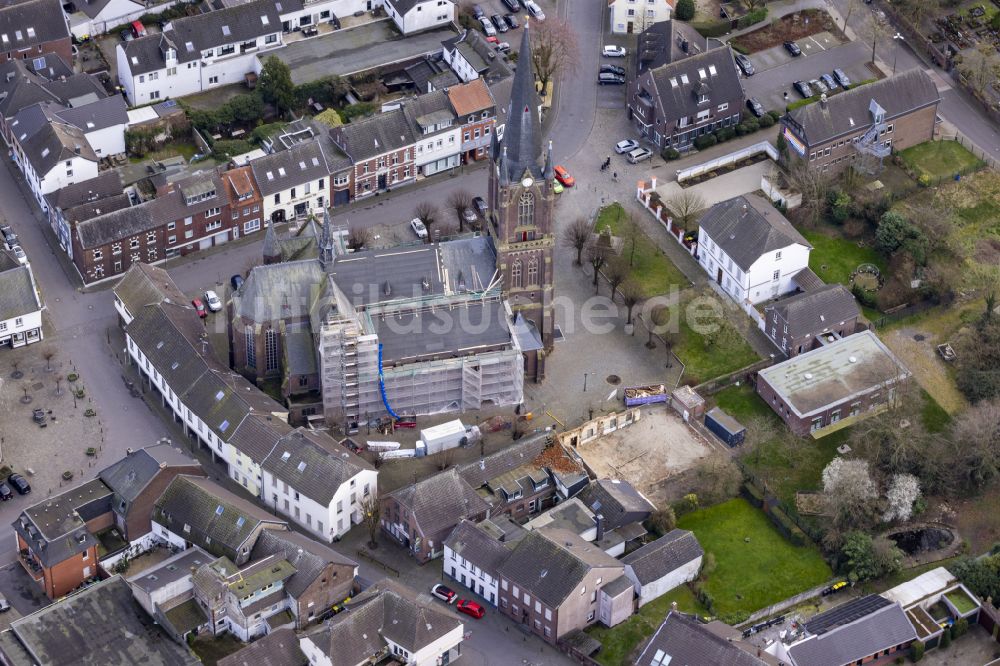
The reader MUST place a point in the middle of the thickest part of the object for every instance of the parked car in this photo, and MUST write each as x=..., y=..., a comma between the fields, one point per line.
x=469, y=215
x=610, y=79
x=533, y=9
x=793, y=49
x=5, y=492
x=499, y=23
x=557, y=187
x=818, y=86
x=480, y=204
x=19, y=483
x=611, y=51
x=6, y=231
x=236, y=282
x=745, y=65
x=126, y=35
x=470, y=608
x=487, y=27
x=492, y=39
x=563, y=176
x=478, y=12
x=11, y=241
x=639, y=154
x=803, y=88
x=199, y=307
x=22, y=258
x=4, y=605
x=418, y=227
x=503, y=47
x=829, y=81
x=138, y=29
x=626, y=146
x=445, y=594
x=513, y=5
x=511, y=21
x=842, y=78
x=612, y=69
x=212, y=300
x=756, y=108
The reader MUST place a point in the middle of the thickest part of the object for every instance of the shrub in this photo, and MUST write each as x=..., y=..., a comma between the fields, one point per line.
x=662, y=521
x=72, y=377
x=231, y=147
x=766, y=121
x=945, y=638
x=712, y=28
x=751, y=17
x=916, y=651
x=961, y=627
x=705, y=141
x=262, y=132
x=865, y=297
x=684, y=10
x=685, y=505
x=775, y=116
x=924, y=180
x=352, y=111
x=724, y=133
x=753, y=494
x=670, y=154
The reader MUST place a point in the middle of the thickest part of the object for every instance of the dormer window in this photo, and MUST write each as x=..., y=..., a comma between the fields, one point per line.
x=702, y=99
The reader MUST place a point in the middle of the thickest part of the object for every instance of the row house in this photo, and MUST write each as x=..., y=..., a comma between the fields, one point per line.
x=471, y=57
x=20, y=303
x=85, y=200
x=197, y=53
x=630, y=16
x=812, y=318
x=437, y=135
x=475, y=109
x=29, y=29
x=301, y=474
x=244, y=602
x=382, y=152
x=675, y=103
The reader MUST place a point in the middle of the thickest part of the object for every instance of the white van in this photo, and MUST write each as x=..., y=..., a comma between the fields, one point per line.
x=535, y=11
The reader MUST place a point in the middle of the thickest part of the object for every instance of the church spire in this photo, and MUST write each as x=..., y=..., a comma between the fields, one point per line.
x=523, y=133
x=272, y=251
x=326, y=249
x=549, y=173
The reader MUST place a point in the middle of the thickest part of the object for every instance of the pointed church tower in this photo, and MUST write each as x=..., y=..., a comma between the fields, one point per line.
x=521, y=200
x=326, y=244
x=272, y=251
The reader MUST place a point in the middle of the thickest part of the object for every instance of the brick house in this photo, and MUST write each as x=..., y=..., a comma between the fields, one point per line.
x=56, y=538
x=796, y=324
x=892, y=114
x=245, y=201
x=675, y=103
x=29, y=29
x=381, y=149
x=849, y=378
x=475, y=109
x=422, y=515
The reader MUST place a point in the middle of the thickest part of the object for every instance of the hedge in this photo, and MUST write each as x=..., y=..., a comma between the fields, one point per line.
x=670, y=154
x=751, y=17
x=815, y=98
x=753, y=494
x=705, y=141
x=711, y=28
x=787, y=527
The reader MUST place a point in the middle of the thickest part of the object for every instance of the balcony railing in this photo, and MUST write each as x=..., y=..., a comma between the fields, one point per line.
x=31, y=565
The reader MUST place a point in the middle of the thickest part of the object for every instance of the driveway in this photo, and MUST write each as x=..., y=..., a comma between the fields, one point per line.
x=347, y=51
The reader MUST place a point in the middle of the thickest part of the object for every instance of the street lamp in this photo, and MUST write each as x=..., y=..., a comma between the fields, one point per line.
x=897, y=38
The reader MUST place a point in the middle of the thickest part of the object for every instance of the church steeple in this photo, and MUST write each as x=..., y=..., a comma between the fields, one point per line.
x=522, y=137
x=271, y=251
x=326, y=248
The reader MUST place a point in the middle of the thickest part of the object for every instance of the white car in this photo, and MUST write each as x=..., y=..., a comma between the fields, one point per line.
x=639, y=154
x=418, y=228
x=469, y=215
x=22, y=258
x=614, y=51
x=488, y=28
x=626, y=146
x=212, y=301
x=533, y=9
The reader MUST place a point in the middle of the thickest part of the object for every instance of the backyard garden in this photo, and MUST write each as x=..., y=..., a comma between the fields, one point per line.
x=649, y=267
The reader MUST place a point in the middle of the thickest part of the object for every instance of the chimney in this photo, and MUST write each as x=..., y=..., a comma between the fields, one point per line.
x=673, y=606
x=758, y=653
x=129, y=451
x=822, y=100
x=600, y=526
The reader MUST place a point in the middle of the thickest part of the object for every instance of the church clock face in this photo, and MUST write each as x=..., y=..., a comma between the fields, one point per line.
x=527, y=182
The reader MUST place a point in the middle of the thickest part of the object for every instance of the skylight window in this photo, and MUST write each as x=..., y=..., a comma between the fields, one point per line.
x=189, y=46
x=270, y=175
x=18, y=35
x=315, y=161
x=240, y=521
x=684, y=78
x=31, y=32
x=174, y=365
x=38, y=63
x=45, y=151
x=225, y=30
x=218, y=510
x=285, y=456
x=712, y=70
x=5, y=38
x=302, y=466
x=224, y=426
x=302, y=165
x=135, y=61
x=264, y=20
x=702, y=74
x=159, y=345
x=220, y=395
x=281, y=171
x=90, y=125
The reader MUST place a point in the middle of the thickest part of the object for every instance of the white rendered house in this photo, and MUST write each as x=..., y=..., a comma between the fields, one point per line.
x=413, y=16
x=628, y=16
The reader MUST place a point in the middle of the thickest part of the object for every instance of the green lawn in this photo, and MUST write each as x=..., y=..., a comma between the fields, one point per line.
x=756, y=565
x=651, y=268
x=617, y=643
x=939, y=159
x=185, y=149
x=933, y=415
x=702, y=362
x=833, y=259
x=743, y=404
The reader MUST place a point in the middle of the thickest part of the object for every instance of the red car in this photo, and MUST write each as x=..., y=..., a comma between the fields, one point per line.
x=199, y=307
x=470, y=608
x=492, y=40
x=563, y=177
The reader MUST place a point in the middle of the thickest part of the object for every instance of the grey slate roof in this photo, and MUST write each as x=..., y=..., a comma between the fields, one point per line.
x=103, y=113
x=369, y=137
x=668, y=553
x=847, y=112
x=148, y=54
x=278, y=648
x=130, y=475
x=477, y=546
x=681, y=100
x=689, y=643
x=145, y=285
x=662, y=43
x=277, y=291
x=616, y=500
x=440, y=501
x=813, y=312
x=486, y=330
x=31, y=23
x=386, y=609
x=881, y=629
x=299, y=164
x=101, y=625
x=170, y=570
x=403, y=7
x=307, y=556
x=25, y=85
x=53, y=143
x=314, y=470
x=230, y=25
x=118, y=224
x=195, y=501
x=522, y=139
x=17, y=293
x=478, y=472
x=747, y=227
x=550, y=563
x=107, y=184
x=56, y=527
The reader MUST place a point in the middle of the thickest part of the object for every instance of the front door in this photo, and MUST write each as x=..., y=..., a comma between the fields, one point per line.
x=381, y=181
x=718, y=276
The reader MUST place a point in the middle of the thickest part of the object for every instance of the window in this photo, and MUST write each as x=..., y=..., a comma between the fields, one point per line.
x=515, y=274
x=723, y=107
x=187, y=221
x=189, y=234
x=533, y=271
x=212, y=80
x=777, y=255
x=154, y=95
x=526, y=210
x=171, y=226
x=271, y=350
x=776, y=275
x=98, y=255
x=212, y=212
x=251, y=349
x=212, y=226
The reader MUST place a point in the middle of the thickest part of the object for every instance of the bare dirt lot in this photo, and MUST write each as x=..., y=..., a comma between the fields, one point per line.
x=660, y=445
x=791, y=27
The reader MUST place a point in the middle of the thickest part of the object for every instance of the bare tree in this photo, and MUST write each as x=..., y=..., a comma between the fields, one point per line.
x=577, y=235
x=813, y=184
x=875, y=28
x=631, y=293
x=981, y=66
x=48, y=354
x=371, y=510
x=597, y=256
x=358, y=238
x=686, y=207
x=615, y=272
x=631, y=232
x=753, y=4
x=59, y=379
x=427, y=213
x=460, y=201
x=554, y=49
x=851, y=6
